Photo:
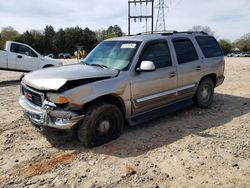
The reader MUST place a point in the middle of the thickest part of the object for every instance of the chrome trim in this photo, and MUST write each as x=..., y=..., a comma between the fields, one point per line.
x=39, y=93
x=48, y=116
x=143, y=99
x=186, y=87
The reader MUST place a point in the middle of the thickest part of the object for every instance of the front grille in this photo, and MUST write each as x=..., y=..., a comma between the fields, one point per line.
x=33, y=96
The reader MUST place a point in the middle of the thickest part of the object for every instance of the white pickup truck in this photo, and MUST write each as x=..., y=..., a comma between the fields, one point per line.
x=21, y=57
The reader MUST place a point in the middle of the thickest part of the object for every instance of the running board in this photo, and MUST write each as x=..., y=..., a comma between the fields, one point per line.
x=152, y=114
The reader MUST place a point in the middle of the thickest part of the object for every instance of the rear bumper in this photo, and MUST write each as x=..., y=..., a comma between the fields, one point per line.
x=49, y=117
x=219, y=80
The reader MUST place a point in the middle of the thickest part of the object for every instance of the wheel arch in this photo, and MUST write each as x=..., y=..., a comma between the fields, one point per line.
x=111, y=99
x=211, y=76
x=48, y=65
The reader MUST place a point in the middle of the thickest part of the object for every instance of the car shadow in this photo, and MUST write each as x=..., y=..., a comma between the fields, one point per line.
x=10, y=83
x=170, y=128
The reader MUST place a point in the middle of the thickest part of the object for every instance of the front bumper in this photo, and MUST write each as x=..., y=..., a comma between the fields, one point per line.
x=48, y=116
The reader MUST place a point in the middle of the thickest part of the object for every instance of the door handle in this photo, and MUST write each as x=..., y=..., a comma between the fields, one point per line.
x=19, y=56
x=198, y=68
x=172, y=74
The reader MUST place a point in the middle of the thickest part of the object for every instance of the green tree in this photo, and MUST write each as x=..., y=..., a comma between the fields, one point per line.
x=226, y=46
x=7, y=33
x=73, y=39
x=26, y=38
x=88, y=39
x=114, y=31
x=49, y=39
x=60, y=41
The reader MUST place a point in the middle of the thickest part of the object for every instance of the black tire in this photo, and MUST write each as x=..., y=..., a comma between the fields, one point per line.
x=48, y=66
x=205, y=93
x=102, y=123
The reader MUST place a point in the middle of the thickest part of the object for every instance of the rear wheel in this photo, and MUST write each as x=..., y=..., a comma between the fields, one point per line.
x=102, y=123
x=205, y=93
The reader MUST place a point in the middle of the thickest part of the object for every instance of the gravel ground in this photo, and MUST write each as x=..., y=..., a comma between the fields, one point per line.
x=188, y=148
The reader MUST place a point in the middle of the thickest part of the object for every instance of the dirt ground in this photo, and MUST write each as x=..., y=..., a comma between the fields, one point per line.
x=187, y=148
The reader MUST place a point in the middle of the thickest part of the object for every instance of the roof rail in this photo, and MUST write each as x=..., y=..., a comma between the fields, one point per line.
x=173, y=32
x=194, y=32
x=158, y=32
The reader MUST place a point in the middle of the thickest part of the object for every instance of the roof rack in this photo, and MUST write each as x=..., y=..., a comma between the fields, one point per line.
x=194, y=32
x=173, y=32
x=158, y=32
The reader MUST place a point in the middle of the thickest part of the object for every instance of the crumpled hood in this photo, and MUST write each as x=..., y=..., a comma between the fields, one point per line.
x=55, y=77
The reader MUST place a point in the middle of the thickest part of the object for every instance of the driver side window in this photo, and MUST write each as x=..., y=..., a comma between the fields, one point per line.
x=18, y=48
x=158, y=53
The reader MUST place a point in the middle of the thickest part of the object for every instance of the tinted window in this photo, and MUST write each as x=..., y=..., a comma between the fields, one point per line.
x=17, y=48
x=209, y=46
x=14, y=48
x=158, y=53
x=185, y=50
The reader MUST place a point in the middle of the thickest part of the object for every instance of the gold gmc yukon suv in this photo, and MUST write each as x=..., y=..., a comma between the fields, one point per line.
x=128, y=79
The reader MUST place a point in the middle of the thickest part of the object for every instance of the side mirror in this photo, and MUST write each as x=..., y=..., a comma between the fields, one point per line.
x=146, y=66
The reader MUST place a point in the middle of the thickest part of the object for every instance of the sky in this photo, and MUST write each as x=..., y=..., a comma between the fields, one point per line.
x=229, y=19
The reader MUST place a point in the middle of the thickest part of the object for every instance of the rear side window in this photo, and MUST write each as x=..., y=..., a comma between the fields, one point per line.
x=209, y=46
x=14, y=48
x=185, y=50
x=158, y=53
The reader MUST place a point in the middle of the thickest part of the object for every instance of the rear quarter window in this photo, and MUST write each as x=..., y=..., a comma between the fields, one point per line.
x=209, y=46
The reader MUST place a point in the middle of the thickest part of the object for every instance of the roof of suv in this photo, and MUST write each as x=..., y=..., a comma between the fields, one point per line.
x=148, y=36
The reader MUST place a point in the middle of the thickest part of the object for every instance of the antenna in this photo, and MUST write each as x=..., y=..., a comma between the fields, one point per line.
x=141, y=16
x=160, y=22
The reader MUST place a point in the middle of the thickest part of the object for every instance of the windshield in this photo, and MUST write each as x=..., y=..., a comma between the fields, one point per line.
x=112, y=54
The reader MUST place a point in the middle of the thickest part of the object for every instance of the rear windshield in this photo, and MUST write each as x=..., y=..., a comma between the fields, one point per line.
x=209, y=46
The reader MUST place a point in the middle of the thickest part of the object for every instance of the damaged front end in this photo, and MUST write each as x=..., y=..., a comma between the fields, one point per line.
x=44, y=113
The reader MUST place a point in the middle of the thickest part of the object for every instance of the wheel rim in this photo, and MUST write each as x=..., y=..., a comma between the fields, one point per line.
x=103, y=126
x=205, y=93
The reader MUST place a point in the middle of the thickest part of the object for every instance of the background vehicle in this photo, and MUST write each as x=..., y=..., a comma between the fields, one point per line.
x=64, y=55
x=21, y=57
x=52, y=55
x=133, y=78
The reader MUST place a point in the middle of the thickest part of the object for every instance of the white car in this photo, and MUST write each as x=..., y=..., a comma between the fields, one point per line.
x=21, y=57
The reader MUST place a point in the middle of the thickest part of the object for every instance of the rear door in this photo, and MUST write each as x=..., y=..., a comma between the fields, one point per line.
x=189, y=66
x=153, y=89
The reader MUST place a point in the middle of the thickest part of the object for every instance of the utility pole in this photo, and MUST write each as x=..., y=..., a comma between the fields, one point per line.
x=160, y=22
x=141, y=17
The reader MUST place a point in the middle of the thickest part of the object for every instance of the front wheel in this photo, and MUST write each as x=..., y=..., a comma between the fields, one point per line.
x=102, y=123
x=205, y=93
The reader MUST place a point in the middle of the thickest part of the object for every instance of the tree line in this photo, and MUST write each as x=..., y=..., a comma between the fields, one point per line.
x=71, y=38
x=63, y=40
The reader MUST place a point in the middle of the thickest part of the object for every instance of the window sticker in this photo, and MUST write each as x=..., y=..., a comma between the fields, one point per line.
x=128, y=45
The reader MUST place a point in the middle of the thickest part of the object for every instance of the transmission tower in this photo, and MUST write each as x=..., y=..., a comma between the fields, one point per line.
x=160, y=22
x=141, y=17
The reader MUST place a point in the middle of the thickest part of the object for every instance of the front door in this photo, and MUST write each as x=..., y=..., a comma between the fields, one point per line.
x=153, y=89
x=26, y=58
